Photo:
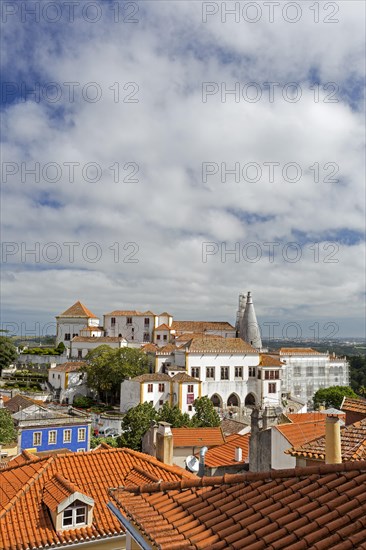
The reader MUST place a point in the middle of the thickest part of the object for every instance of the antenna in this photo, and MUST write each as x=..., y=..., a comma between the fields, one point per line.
x=192, y=463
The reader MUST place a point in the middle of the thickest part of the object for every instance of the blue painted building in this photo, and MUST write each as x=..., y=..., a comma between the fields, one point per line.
x=40, y=429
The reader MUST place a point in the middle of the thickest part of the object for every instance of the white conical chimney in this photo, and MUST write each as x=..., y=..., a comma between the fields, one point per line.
x=250, y=331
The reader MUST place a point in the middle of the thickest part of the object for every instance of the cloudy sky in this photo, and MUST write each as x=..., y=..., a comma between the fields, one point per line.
x=169, y=155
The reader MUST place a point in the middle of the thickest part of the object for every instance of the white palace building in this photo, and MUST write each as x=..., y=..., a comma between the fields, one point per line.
x=196, y=358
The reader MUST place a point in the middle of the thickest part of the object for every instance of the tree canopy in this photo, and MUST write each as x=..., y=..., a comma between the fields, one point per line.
x=8, y=433
x=205, y=413
x=332, y=397
x=107, y=368
x=135, y=424
x=8, y=352
x=138, y=420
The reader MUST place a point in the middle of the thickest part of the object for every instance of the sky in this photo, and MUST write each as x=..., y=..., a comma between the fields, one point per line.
x=170, y=155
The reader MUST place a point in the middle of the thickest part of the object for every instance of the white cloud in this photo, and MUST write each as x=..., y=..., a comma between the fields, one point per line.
x=169, y=133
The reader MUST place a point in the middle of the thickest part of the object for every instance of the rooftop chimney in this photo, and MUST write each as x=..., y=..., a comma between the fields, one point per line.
x=238, y=454
x=164, y=443
x=201, y=469
x=333, y=454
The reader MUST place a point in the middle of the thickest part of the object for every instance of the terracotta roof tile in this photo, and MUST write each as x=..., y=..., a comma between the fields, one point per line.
x=130, y=313
x=78, y=310
x=299, y=351
x=353, y=444
x=69, y=366
x=270, y=361
x=197, y=437
x=164, y=326
x=354, y=405
x=184, y=377
x=24, y=523
x=299, y=433
x=98, y=339
x=219, y=345
x=269, y=517
x=309, y=417
x=201, y=326
x=224, y=455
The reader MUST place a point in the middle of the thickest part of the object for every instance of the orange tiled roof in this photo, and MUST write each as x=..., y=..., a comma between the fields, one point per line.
x=164, y=326
x=309, y=417
x=149, y=348
x=130, y=313
x=169, y=348
x=354, y=405
x=184, y=377
x=25, y=522
x=197, y=437
x=219, y=345
x=270, y=361
x=353, y=444
x=224, y=455
x=69, y=366
x=318, y=508
x=300, y=433
x=19, y=401
x=56, y=490
x=201, y=326
x=299, y=351
x=78, y=310
x=186, y=336
x=97, y=339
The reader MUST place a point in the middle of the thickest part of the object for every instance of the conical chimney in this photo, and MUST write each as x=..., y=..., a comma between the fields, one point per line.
x=250, y=331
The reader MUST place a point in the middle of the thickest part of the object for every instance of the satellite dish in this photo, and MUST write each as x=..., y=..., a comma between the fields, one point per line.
x=192, y=463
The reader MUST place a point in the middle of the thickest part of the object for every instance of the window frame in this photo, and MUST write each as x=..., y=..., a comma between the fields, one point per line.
x=35, y=436
x=64, y=439
x=84, y=432
x=225, y=373
x=49, y=437
x=74, y=515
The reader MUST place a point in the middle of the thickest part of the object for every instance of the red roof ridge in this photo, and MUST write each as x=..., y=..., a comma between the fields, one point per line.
x=231, y=479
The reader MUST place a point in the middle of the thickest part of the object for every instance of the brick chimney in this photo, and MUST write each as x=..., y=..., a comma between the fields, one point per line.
x=270, y=417
x=164, y=443
x=333, y=454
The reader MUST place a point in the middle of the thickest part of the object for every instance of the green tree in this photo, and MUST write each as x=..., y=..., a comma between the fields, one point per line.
x=107, y=368
x=8, y=433
x=61, y=348
x=174, y=416
x=135, y=424
x=8, y=352
x=205, y=414
x=332, y=397
x=95, y=441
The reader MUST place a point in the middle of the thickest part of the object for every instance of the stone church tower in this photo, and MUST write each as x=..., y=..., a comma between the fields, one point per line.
x=246, y=322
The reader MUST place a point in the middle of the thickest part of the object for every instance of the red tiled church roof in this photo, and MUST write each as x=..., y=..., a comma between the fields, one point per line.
x=318, y=508
x=26, y=488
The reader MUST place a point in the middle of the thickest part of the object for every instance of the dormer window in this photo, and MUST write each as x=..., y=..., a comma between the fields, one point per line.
x=68, y=506
x=74, y=515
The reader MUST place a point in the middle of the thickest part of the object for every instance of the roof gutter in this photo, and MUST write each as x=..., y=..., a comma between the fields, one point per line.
x=129, y=528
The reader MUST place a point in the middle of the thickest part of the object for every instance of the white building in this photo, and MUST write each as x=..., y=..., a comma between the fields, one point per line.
x=233, y=373
x=159, y=388
x=81, y=345
x=68, y=381
x=76, y=320
x=306, y=370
